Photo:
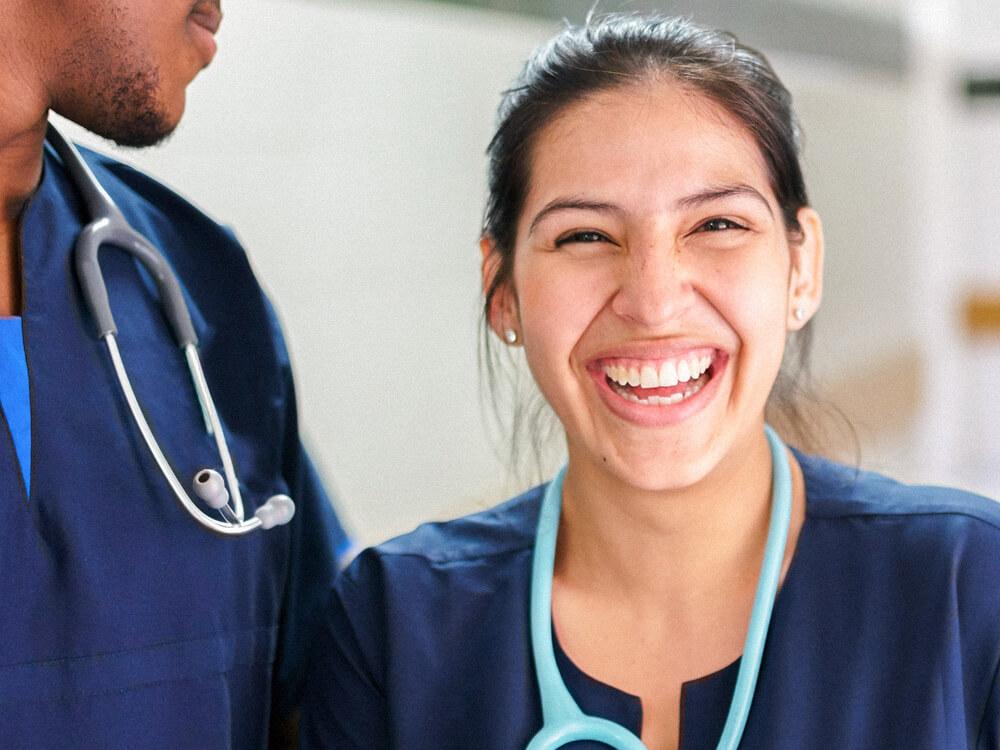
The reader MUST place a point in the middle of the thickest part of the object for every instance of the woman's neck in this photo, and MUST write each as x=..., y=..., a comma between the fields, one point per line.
x=687, y=547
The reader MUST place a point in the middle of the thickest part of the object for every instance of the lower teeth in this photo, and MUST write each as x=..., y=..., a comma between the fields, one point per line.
x=674, y=398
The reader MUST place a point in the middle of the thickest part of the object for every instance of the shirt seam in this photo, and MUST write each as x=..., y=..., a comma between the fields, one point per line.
x=903, y=514
x=469, y=558
x=139, y=649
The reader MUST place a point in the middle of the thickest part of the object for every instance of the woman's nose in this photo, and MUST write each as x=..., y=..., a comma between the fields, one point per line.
x=655, y=287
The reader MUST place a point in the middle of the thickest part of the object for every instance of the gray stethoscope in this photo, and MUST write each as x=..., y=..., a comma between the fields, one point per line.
x=108, y=226
x=563, y=721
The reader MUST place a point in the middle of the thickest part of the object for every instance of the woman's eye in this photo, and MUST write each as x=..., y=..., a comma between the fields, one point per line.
x=719, y=225
x=586, y=236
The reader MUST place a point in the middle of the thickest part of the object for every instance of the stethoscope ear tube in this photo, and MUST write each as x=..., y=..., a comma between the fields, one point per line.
x=88, y=271
x=106, y=231
x=109, y=227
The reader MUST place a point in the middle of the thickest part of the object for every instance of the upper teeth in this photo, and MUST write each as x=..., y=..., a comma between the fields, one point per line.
x=665, y=375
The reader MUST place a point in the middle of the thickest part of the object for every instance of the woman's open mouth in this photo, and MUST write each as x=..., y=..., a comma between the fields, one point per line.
x=663, y=382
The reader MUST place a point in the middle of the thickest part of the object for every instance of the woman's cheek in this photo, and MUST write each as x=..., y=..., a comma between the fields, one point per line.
x=559, y=299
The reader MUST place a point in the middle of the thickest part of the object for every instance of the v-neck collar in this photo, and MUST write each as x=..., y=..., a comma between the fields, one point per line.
x=704, y=703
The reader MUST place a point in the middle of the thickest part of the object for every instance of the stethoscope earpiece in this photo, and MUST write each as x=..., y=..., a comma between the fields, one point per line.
x=210, y=487
x=277, y=511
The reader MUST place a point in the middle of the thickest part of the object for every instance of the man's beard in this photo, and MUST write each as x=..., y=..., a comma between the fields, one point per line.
x=132, y=113
x=112, y=91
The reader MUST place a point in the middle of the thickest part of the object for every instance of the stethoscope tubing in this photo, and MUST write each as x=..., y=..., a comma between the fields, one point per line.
x=563, y=720
x=234, y=525
x=109, y=226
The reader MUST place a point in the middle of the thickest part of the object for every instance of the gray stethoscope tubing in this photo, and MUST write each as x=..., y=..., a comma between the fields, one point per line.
x=563, y=720
x=109, y=226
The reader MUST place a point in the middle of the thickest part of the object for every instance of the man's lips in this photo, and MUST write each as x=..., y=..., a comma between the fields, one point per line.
x=208, y=15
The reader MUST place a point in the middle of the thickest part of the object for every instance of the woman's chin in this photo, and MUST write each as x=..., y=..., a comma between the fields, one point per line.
x=663, y=470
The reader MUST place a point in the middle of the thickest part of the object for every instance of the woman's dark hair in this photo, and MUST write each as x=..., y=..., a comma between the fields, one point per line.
x=617, y=50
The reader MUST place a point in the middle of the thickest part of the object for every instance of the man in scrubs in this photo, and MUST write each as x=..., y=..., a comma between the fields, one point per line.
x=125, y=624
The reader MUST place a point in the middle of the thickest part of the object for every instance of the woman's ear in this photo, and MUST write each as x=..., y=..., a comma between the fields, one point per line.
x=805, y=280
x=502, y=314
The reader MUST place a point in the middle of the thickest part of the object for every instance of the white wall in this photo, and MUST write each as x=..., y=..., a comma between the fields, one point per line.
x=976, y=242
x=956, y=209
x=345, y=143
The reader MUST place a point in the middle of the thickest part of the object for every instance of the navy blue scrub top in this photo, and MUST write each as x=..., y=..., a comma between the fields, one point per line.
x=15, y=409
x=885, y=634
x=125, y=624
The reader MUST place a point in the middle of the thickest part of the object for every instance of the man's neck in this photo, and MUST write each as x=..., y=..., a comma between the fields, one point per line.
x=20, y=172
x=10, y=270
x=23, y=120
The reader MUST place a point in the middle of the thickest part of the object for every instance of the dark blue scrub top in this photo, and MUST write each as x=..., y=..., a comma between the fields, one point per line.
x=885, y=634
x=14, y=403
x=124, y=624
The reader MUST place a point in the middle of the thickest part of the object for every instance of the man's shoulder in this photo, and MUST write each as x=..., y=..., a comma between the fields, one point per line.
x=209, y=261
x=152, y=205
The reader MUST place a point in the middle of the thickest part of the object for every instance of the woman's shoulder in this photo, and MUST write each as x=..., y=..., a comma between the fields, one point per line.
x=905, y=526
x=908, y=568
x=411, y=618
x=504, y=528
x=834, y=490
x=478, y=545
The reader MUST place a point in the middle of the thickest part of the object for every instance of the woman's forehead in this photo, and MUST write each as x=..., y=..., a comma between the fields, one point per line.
x=656, y=135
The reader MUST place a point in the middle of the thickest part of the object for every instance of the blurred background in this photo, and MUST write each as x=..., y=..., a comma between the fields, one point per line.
x=345, y=143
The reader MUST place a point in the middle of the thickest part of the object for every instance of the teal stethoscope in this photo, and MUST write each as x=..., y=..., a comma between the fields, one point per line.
x=563, y=721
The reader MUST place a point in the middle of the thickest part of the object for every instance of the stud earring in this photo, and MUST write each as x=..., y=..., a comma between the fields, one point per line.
x=800, y=313
x=510, y=336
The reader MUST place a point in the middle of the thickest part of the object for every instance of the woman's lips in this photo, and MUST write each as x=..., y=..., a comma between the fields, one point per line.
x=657, y=392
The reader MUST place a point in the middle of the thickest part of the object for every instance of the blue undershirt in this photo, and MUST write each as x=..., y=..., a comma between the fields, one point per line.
x=14, y=393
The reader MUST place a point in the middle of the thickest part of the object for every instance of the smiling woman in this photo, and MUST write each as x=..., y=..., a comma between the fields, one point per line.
x=645, y=252
x=649, y=244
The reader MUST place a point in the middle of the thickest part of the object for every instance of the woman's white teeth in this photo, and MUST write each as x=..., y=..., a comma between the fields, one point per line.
x=683, y=371
x=669, y=374
x=673, y=398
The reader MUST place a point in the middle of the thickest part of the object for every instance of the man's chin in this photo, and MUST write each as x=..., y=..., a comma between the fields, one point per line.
x=136, y=119
x=148, y=128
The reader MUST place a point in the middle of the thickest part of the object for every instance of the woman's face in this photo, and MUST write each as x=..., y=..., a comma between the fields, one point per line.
x=654, y=283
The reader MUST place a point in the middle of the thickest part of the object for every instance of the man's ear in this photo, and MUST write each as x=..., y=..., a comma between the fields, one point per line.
x=805, y=280
x=502, y=315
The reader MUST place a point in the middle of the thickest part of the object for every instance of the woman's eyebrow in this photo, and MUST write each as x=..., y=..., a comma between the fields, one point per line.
x=564, y=204
x=722, y=191
x=689, y=201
